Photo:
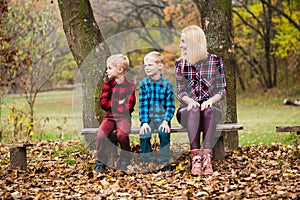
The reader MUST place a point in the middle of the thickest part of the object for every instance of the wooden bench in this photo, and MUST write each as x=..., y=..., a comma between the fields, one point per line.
x=18, y=155
x=295, y=129
x=218, y=150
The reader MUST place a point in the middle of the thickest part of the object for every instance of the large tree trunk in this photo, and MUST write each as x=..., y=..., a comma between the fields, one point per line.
x=90, y=52
x=216, y=20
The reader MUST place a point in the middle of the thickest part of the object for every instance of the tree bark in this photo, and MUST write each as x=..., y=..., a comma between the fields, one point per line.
x=216, y=20
x=90, y=52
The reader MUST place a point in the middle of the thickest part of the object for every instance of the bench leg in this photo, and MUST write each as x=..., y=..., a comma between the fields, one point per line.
x=231, y=140
x=18, y=158
x=218, y=150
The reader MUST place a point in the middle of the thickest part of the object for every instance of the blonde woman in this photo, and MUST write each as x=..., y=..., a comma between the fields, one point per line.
x=201, y=85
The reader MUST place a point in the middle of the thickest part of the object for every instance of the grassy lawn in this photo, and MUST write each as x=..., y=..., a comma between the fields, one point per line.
x=55, y=106
x=259, y=114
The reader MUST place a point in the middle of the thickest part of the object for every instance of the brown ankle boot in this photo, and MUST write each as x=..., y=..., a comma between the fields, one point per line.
x=196, y=163
x=207, y=158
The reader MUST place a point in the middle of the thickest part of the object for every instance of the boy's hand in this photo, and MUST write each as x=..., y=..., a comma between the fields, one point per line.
x=121, y=101
x=145, y=129
x=165, y=127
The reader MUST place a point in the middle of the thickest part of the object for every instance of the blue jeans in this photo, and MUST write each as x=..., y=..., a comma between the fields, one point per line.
x=164, y=138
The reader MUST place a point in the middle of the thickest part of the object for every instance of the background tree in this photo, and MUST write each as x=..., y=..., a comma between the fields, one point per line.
x=38, y=40
x=85, y=40
x=12, y=61
x=216, y=20
x=120, y=16
x=35, y=35
x=267, y=41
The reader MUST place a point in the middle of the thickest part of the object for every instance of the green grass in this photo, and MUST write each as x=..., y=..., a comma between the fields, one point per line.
x=259, y=113
x=55, y=106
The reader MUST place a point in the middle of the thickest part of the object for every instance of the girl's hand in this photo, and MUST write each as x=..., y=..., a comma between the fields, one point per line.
x=165, y=127
x=145, y=129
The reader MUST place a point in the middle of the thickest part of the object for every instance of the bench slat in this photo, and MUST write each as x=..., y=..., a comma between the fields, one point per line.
x=174, y=129
x=287, y=128
x=18, y=145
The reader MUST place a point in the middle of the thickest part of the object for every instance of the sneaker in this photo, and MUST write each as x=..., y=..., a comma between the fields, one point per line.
x=166, y=168
x=100, y=168
x=123, y=165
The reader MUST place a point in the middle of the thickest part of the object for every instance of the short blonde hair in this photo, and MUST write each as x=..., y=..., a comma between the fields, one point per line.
x=196, y=44
x=119, y=60
x=155, y=56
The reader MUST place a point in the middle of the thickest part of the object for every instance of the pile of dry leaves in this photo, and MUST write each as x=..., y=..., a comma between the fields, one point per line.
x=64, y=170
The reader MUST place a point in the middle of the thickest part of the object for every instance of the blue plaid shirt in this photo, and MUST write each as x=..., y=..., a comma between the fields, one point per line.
x=156, y=100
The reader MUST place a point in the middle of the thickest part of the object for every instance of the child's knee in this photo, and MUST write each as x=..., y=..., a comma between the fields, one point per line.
x=164, y=137
x=146, y=135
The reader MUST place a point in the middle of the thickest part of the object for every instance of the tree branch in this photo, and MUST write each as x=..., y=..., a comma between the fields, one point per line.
x=248, y=24
x=297, y=26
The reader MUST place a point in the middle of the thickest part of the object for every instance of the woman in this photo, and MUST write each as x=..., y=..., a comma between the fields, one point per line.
x=201, y=85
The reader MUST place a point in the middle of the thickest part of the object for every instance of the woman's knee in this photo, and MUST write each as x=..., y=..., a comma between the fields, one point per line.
x=207, y=113
x=194, y=111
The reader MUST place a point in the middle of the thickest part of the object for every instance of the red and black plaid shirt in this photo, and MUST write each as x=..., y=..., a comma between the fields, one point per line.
x=112, y=93
x=202, y=80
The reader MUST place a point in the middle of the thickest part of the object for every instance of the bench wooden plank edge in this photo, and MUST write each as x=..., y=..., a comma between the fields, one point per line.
x=18, y=145
x=287, y=128
x=174, y=129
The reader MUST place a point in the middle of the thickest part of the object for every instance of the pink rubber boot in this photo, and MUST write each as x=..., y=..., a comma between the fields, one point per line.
x=207, y=158
x=196, y=163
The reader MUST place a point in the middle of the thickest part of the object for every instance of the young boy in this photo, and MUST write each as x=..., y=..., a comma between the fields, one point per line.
x=118, y=100
x=156, y=109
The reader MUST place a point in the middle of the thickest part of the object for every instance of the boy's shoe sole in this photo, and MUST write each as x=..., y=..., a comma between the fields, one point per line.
x=166, y=168
x=100, y=168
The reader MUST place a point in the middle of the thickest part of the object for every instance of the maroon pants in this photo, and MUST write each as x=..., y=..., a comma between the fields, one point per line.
x=196, y=121
x=109, y=124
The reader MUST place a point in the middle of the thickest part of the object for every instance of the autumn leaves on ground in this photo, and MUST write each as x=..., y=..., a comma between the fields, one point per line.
x=64, y=170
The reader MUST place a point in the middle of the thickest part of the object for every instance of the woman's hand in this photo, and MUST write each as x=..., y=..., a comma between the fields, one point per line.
x=206, y=104
x=145, y=129
x=192, y=104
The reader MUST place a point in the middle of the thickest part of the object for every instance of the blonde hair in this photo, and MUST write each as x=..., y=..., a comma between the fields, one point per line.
x=195, y=43
x=119, y=60
x=155, y=56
